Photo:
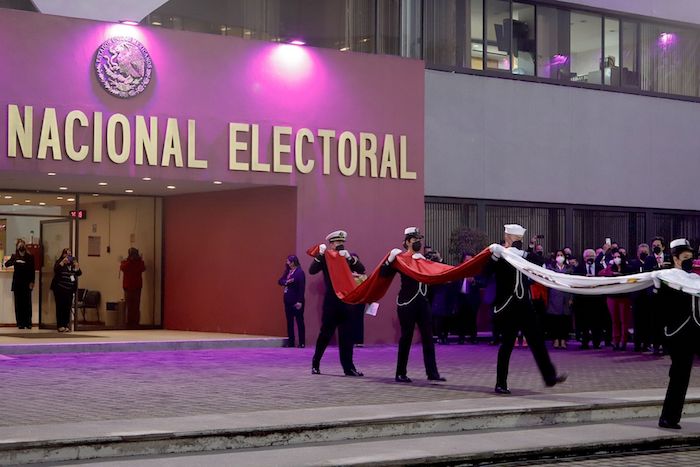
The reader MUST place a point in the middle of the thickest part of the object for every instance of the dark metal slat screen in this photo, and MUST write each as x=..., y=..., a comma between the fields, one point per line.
x=442, y=218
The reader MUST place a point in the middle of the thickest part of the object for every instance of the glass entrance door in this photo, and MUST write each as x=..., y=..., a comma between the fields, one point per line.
x=55, y=235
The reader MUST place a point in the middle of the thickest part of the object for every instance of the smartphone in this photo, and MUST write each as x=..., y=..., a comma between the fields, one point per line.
x=608, y=241
x=69, y=258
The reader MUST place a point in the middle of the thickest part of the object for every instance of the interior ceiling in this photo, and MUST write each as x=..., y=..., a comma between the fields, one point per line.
x=103, y=10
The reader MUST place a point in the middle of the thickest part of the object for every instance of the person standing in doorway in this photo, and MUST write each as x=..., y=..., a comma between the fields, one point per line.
x=132, y=282
x=336, y=313
x=513, y=308
x=22, y=284
x=294, y=282
x=66, y=271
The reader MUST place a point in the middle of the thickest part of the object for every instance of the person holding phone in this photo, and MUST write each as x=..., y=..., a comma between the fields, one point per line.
x=294, y=282
x=22, y=284
x=66, y=271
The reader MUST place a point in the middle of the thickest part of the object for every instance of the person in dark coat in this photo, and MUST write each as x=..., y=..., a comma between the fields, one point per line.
x=336, y=313
x=513, y=308
x=442, y=299
x=589, y=310
x=294, y=282
x=65, y=282
x=468, y=301
x=132, y=283
x=641, y=302
x=22, y=284
x=413, y=309
x=659, y=259
x=681, y=312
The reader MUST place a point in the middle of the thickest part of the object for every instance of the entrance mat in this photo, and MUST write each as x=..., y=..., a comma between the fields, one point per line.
x=46, y=335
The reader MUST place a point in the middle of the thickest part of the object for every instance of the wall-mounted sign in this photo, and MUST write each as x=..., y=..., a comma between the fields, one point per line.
x=78, y=214
x=123, y=66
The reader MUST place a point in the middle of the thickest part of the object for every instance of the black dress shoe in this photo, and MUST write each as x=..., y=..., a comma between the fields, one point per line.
x=501, y=390
x=402, y=379
x=354, y=372
x=315, y=370
x=558, y=379
x=436, y=378
x=663, y=423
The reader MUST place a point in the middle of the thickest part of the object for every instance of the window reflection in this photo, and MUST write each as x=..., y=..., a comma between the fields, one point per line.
x=498, y=37
x=585, y=48
x=611, y=57
x=553, y=51
x=523, y=39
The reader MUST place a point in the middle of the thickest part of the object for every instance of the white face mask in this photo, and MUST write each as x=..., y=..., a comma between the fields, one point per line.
x=617, y=261
x=560, y=260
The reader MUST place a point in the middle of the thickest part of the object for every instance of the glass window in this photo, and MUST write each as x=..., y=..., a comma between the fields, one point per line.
x=474, y=35
x=553, y=49
x=611, y=57
x=586, y=48
x=498, y=39
x=630, y=74
x=669, y=59
x=411, y=30
x=523, y=37
x=441, y=32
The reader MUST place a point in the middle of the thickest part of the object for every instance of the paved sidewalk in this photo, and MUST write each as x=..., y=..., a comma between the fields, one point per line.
x=45, y=389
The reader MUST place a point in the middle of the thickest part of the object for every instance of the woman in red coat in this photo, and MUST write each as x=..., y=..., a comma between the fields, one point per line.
x=132, y=267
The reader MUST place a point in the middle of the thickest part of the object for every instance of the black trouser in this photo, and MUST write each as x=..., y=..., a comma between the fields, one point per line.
x=336, y=314
x=657, y=323
x=64, y=301
x=292, y=313
x=23, y=308
x=519, y=315
x=559, y=326
x=641, y=314
x=588, y=313
x=466, y=317
x=357, y=317
x=683, y=347
x=417, y=312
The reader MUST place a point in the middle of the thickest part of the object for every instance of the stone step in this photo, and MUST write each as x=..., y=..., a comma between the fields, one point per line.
x=179, y=435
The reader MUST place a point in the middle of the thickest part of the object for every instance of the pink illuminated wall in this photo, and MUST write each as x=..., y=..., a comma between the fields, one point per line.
x=47, y=61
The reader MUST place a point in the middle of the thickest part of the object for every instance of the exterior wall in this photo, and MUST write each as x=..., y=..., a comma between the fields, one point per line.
x=504, y=139
x=687, y=11
x=216, y=80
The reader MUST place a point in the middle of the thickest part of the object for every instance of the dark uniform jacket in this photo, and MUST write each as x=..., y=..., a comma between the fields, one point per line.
x=293, y=291
x=508, y=278
x=681, y=311
x=319, y=265
x=23, y=274
x=410, y=288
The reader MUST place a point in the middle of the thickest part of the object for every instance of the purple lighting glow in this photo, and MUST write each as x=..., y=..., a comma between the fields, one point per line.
x=666, y=40
x=129, y=22
x=558, y=59
x=297, y=42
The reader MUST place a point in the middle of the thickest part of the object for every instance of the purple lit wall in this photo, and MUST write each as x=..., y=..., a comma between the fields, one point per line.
x=47, y=61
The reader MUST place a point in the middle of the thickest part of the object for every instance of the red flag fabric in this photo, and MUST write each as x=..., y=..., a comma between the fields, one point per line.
x=375, y=286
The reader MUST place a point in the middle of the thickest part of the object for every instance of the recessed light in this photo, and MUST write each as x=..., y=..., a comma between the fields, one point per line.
x=344, y=49
x=95, y=194
x=42, y=204
x=128, y=190
x=64, y=188
x=170, y=187
x=156, y=23
x=70, y=199
x=59, y=197
x=51, y=174
x=27, y=200
x=8, y=197
x=129, y=22
x=102, y=183
x=146, y=179
x=218, y=182
x=15, y=204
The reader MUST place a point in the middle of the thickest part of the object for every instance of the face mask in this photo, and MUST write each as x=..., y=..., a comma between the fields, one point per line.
x=560, y=260
x=518, y=244
x=687, y=265
x=617, y=261
x=590, y=261
x=643, y=256
x=416, y=246
x=657, y=250
x=339, y=247
x=22, y=248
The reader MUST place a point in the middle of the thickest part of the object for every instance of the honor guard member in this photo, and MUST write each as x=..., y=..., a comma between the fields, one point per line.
x=412, y=308
x=336, y=313
x=513, y=309
x=682, y=329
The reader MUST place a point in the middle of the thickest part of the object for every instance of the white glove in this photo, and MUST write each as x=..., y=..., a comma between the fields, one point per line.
x=418, y=256
x=322, y=248
x=496, y=250
x=344, y=253
x=393, y=254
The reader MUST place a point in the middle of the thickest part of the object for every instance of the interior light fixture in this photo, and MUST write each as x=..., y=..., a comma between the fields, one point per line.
x=8, y=197
x=102, y=183
x=64, y=188
x=70, y=199
x=156, y=23
x=59, y=197
x=218, y=182
x=42, y=204
x=51, y=174
x=146, y=179
x=27, y=200
x=129, y=22
x=128, y=190
x=170, y=187
x=297, y=42
x=95, y=194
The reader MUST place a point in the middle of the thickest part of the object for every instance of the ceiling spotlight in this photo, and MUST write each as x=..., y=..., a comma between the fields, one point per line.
x=156, y=23
x=218, y=182
x=42, y=204
x=59, y=197
x=51, y=174
x=70, y=199
x=8, y=197
x=27, y=200
x=170, y=187
x=64, y=188
x=344, y=49
x=129, y=22
x=146, y=179
x=297, y=42
x=15, y=204
x=128, y=190
x=95, y=194
x=102, y=183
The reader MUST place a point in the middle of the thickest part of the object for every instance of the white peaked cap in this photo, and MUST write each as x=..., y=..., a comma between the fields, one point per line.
x=680, y=242
x=337, y=236
x=514, y=229
x=413, y=232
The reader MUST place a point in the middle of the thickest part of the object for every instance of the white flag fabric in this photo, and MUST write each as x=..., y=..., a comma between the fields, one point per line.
x=582, y=285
